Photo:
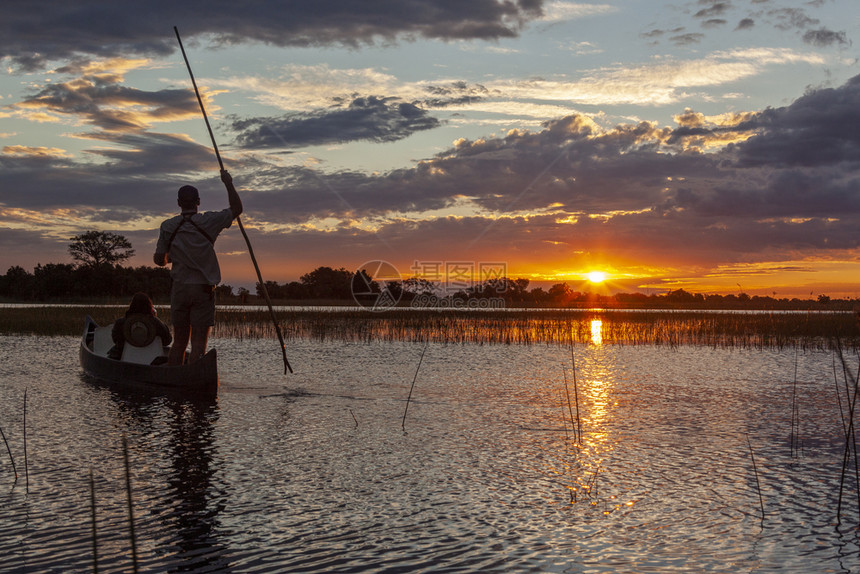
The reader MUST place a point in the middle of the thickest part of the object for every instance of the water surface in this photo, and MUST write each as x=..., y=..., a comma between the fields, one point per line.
x=314, y=471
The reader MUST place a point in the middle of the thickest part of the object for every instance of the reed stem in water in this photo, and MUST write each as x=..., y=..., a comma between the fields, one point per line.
x=9, y=450
x=130, y=506
x=575, y=391
x=755, y=472
x=849, y=438
x=26, y=469
x=403, y=423
x=93, y=509
x=569, y=406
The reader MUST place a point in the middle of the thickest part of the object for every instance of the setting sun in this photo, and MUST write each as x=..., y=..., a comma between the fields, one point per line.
x=596, y=276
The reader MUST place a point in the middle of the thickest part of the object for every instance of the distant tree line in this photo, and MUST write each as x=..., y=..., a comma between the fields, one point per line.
x=98, y=273
x=344, y=285
x=54, y=281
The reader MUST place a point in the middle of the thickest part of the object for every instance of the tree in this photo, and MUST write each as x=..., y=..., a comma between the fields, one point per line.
x=97, y=248
x=54, y=280
x=17, y=283
x=328, y=283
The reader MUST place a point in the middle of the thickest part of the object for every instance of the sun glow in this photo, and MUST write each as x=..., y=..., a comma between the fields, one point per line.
x=596, y=276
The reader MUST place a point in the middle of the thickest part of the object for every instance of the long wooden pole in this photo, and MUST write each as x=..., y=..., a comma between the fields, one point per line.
x=265, y=291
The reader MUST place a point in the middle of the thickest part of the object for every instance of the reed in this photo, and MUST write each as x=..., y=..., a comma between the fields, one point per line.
x=755, y=472
x=131, y=532
x=26, y=469
x=814, y=330
x=563, y=419
x=839, y=391
x=55, y=320
x=852, y=389
x=575, y=392
x=794, y=437
x=591, y=488
x=9, y=450
x=576, y=438
x=93, y=514
x=725, y=330
x=409, y=398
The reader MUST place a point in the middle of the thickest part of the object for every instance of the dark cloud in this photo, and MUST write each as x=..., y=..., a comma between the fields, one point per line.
x=816, y=130
x=100, y=100
x=33, y=33
x=746, y=24
x=789, y=184
x=792, y=18
x=371, y=119
x=454, y=94
x=823, y=38
x=655, y=34
x=715, y=9
x=687, y=39
x=714, y=23
x=137, y=174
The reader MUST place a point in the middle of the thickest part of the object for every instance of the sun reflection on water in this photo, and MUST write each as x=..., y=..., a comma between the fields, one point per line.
x=597, y=332
x=596, y=401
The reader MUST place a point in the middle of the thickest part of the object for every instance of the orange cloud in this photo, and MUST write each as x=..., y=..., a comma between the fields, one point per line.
x=39, y=151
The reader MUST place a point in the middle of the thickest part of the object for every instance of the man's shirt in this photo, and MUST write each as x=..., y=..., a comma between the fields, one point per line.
x=192, y=254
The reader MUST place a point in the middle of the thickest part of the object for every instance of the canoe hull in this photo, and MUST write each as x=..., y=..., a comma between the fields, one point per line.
x=198, y=377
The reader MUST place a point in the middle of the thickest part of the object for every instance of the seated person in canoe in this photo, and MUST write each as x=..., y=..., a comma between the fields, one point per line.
x=139, y=323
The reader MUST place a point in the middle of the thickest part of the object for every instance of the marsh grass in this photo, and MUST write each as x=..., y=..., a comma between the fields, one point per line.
x=671, y=328
x=748, y=330
x=53, y=320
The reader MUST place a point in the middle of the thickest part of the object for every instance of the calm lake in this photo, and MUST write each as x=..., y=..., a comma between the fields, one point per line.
x=314, y=472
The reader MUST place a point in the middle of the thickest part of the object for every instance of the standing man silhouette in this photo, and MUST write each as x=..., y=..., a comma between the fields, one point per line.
x=187, y=241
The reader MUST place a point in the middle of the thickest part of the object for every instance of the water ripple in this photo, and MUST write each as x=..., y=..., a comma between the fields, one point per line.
x=314, y=472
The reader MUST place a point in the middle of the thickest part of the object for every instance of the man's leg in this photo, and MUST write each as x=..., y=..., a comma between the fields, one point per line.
x=199, y=340
x=180, y=342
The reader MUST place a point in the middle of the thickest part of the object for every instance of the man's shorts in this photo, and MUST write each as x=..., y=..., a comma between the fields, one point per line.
x=192, y=305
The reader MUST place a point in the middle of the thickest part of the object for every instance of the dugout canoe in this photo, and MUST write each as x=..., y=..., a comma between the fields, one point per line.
x=135, y=369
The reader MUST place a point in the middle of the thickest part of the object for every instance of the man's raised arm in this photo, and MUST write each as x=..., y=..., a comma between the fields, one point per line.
x=232, y=195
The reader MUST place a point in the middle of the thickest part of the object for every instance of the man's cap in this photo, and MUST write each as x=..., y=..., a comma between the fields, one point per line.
x=188, y=194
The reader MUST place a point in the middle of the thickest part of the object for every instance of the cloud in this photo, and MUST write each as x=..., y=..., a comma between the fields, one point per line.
x=659, y=83
x=746, y=24
x=791, y=18
x=652, y=34
x=311, y=91
x=711, y=190
x=454, y=93
x=815, y=130
x=97, y=97
x=371, y=118
x=30, y=151
x=715, y=9
x=563, y=11
x=36, y=33
x=29, y=247
x=823, y=38
x=687, y=39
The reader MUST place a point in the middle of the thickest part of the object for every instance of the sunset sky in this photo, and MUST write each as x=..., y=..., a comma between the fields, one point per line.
x=707, y=145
